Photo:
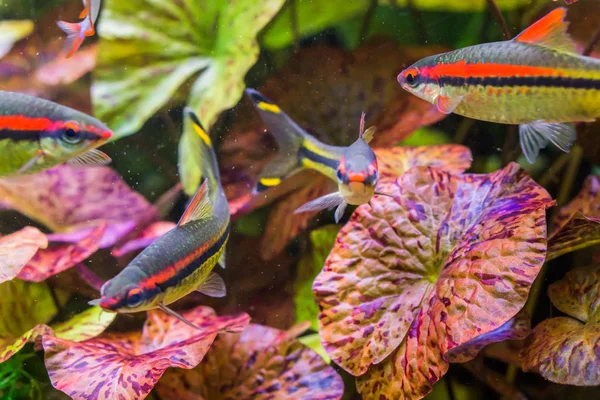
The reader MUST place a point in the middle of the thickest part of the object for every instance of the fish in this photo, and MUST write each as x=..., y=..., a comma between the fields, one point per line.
x=37, y=134
x=354, y=168
x=182, y=260
x=536, y=80
x=77, y=32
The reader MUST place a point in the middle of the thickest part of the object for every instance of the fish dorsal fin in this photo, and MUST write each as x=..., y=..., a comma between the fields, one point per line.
x=213, y=286
x=200, y=207
x=550, y=31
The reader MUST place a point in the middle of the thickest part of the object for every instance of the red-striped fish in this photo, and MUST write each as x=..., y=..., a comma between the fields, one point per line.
x=536, y=80
x=181, y=261
x=37, y=134
x=77, y=32
x=353, y=167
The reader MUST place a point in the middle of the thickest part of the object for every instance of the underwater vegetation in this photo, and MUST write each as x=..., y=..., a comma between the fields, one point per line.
x=299, y=199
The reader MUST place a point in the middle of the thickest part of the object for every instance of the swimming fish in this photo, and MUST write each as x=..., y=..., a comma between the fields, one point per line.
x=77, y=32
x=37, y=134
x=353, y=167
x=182, y=260
x=536, y=80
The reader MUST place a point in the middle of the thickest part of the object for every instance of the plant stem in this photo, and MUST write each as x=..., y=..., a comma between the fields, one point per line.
x=496, y=11
x=418, y=21
x=449, y=390
x=570, y=175
x=554, y=169
x=590, y=47
x=364, y=29
x=463, y=129
x=493, y=379
x=294, y=22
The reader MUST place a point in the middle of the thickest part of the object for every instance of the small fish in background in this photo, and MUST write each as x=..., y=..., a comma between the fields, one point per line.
x=182, y=260
x=536, y=80
x=77, y=32
x=353, y=167
x=37, y=134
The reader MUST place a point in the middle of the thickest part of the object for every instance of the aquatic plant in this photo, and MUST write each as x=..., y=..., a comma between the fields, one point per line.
x=470, y=262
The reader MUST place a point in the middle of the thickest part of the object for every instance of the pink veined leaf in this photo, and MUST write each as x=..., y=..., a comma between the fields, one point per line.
x=17, y=249
x=67, y=199
x=62, y=256
x=448, y=259
x=577, y=224
x=260, y=363
x=128, y=365
x=565, y=350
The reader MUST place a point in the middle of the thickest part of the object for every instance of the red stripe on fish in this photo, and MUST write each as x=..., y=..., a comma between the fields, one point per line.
x=462, y=69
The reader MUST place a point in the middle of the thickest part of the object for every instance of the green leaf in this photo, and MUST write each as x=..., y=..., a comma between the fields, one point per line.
x=313, y=342
x=427, y=137
x=308, y=268
x=149, y=49
x=311, y=17
x=456, y=5
x=11, y=32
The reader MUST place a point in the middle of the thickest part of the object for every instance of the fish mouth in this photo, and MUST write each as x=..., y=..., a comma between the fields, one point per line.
x=105, y=135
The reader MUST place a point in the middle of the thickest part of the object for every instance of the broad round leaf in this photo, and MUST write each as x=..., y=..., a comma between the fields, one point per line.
x=260, y=363
x=11, y=32
x=567, y=350
x=17, y=249
x=128, y=365
x=145, y=239
x=67, y=199
x=448, y=259
x=577, y=224
x=60, y=257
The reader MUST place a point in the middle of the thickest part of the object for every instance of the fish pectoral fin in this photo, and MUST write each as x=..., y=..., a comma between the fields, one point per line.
x=550, y=31
x=222, y=259
x=178, y=316
x=200, y=207
x=95, y=302
x=213, y=286
x=31, y=162
x=447, y=105
x=92, y=157
x=535, y=136
x=324, y=202
x=369, y=134
x=339, y=211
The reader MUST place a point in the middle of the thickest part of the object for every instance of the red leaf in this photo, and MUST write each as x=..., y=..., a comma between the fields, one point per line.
x=145, y=239
x=128, y=365
x=260, y=363
x=450, y=258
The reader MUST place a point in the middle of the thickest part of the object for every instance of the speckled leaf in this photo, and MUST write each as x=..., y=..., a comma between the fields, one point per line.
x=448, y=259
x=11, y=32
x=577, y=224
x=567, y=350
x=84, y=326
x=260, y=363
x=17, y=249
x=67, y=199
x=395, y=161
x=128, y=365
x=310, y=265
x=145, y=239
x=60, y=257
x=517, y=328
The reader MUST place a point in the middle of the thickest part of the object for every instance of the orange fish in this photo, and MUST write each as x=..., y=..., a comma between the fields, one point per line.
x=77, y=32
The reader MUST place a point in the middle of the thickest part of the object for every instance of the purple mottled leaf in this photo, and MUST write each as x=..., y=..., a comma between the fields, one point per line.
x=145, y=239
x=449, y=258
x=260, y=363
x=67, y=199
x=128, y=365
x=566, y=350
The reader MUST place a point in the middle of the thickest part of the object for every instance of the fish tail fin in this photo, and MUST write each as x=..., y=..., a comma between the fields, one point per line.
x=209, y=168
x=289, y=137
x=75, y=36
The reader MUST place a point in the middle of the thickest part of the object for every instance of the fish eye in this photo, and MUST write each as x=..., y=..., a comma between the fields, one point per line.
x=412, y=77
x=71, y=133
x=134, y=298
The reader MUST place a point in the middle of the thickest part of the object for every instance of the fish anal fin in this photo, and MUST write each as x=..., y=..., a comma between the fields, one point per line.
x=339, y=211
x=213, y=286
x=200, y=207
x=222, y=260
x=535, y=136
x=447, y=105
x=92, y=157
x=178, y=316
x=550, y=31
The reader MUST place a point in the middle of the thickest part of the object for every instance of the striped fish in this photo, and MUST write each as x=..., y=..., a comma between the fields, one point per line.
x=537, y=80
x=181, y=261
x=37, y=134
x=353, y=167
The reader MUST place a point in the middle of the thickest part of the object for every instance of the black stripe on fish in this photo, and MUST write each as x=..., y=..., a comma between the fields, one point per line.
x=515, y=81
